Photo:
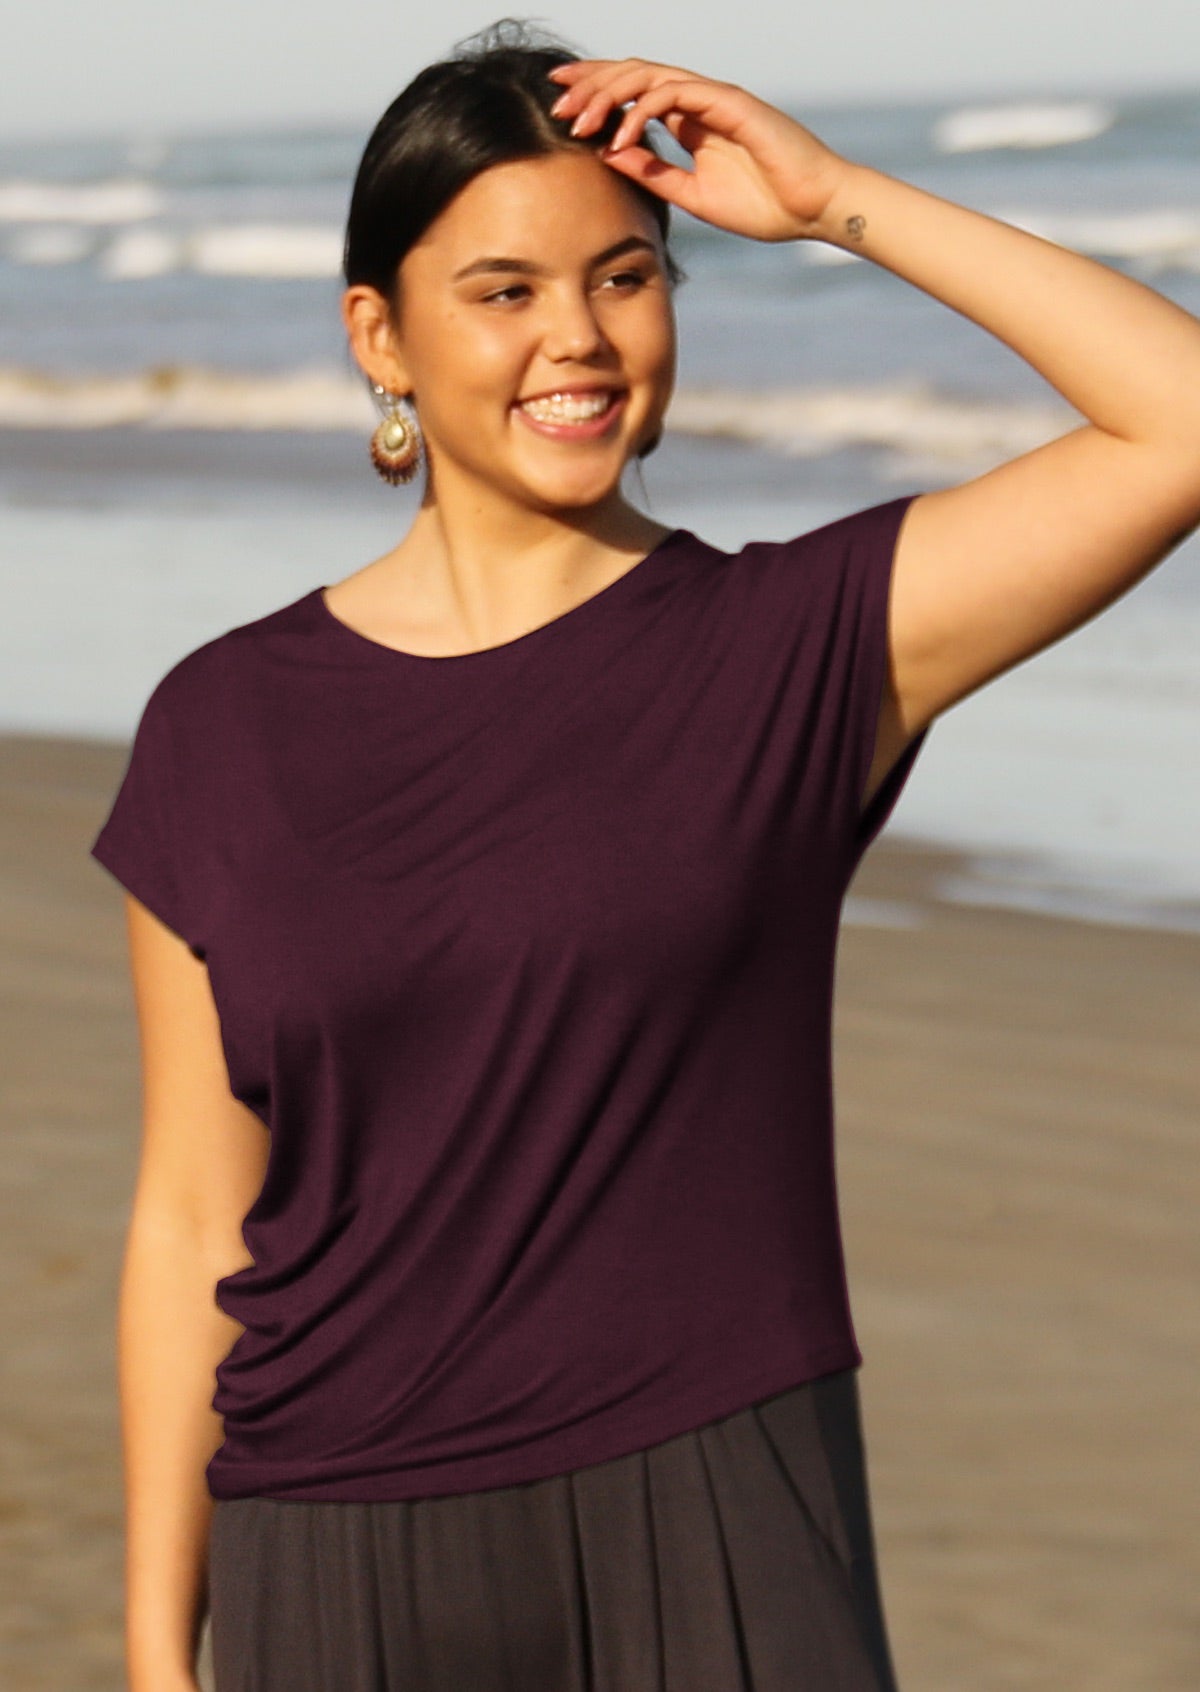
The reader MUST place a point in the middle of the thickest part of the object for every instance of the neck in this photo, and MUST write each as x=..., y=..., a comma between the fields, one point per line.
x=462, y=523
x=476, y=571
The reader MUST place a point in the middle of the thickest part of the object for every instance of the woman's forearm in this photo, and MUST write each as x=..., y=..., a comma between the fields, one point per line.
x=171, y=1336
x=1124, y=356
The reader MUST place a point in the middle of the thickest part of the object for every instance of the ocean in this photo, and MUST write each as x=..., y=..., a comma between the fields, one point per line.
x=183, y=444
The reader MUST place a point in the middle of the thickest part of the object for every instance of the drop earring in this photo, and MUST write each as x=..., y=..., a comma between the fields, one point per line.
x=396, y=443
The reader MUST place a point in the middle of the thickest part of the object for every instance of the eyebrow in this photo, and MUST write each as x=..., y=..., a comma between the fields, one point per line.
x=526, y=267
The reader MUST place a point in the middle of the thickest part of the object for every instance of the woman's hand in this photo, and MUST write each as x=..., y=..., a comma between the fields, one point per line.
x=757, y=172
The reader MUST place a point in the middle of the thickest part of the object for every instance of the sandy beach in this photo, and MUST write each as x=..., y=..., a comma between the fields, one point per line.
x=1019, y=1165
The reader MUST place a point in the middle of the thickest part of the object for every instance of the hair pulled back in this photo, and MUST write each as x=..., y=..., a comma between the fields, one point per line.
x=487, y=104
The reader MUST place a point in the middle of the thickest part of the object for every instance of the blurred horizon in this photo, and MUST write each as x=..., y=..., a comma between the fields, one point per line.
x=267, y=65
x=283, y=124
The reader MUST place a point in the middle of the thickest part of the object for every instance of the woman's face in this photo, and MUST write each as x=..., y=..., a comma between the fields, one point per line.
x=543, y=277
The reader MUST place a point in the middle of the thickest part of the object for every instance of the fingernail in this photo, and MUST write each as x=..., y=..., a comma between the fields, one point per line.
x=558, y=105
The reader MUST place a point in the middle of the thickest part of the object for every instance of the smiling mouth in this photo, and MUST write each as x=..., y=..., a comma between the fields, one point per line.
x=572, y=410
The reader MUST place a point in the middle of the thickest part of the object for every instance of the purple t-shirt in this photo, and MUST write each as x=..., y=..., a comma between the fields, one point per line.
x=525, y=957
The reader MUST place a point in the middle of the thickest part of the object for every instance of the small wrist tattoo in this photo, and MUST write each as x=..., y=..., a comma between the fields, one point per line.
x=856, y=227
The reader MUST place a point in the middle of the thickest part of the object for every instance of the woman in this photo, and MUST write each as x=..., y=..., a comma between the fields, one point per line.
x=482, y=912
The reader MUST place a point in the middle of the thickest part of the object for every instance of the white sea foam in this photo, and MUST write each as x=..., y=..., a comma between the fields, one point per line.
x=122, y=200
x=1161, y=237
x=1021, y=124
x=823, y=252
x=185, y=397
x=910, y=417
x=921, y=426
x=135, y=254
x=267, y=250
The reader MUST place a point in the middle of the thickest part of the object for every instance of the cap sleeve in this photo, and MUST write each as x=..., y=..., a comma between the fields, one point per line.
x=870, y=560
x=850, y=562
x=142, y=841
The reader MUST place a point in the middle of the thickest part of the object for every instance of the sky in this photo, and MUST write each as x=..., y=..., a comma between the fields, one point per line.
x=156, y=66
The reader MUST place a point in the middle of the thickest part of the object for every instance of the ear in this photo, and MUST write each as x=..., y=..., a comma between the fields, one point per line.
x=373, y=339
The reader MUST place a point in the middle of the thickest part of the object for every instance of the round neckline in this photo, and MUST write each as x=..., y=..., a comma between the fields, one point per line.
x=571, y=615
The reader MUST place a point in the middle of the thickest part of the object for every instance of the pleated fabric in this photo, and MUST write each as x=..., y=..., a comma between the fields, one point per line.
x=738, y=1557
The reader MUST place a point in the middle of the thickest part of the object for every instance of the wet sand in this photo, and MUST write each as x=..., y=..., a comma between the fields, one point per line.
x=1019, y=1134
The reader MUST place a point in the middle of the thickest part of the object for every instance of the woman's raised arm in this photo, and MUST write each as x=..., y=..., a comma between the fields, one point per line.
x=991, y=571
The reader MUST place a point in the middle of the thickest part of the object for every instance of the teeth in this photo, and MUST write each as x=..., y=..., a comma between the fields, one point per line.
x=567, y=408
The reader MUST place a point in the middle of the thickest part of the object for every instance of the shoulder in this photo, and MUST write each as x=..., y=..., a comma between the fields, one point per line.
x=843, y=555
x=868, y=525
x=196, y=684
x=867, y=528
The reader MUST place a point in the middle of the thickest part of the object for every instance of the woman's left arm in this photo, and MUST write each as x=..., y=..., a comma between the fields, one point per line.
x=990, y=571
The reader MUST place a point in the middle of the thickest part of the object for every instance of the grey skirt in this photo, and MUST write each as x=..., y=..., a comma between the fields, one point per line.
x=737, y=1557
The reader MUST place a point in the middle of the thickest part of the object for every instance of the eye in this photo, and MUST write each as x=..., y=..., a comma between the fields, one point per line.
x=626, y=280
x=503, y=295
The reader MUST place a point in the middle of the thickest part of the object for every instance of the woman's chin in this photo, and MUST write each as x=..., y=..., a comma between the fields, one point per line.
x=576, y=492
x=549, y=481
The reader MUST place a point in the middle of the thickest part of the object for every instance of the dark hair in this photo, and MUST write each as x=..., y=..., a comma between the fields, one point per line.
x=488, y=104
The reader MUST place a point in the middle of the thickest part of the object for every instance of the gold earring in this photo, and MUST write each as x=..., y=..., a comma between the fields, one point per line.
x=396, y=443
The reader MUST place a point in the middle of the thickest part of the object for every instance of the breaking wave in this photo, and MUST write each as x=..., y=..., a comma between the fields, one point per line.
x=124, y=200
x=1024, y=123
x=291, y=251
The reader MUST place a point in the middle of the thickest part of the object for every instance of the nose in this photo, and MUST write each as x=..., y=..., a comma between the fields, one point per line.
x=573, y=330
